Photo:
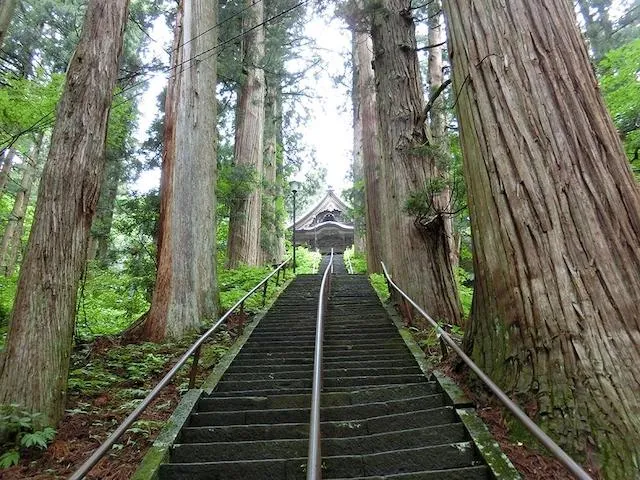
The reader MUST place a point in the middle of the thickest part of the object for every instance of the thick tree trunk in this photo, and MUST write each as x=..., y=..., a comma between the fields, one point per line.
x=103, y=221
x=269, y=223
x=357, y=169
x=7, y=8
x=244, y=220
x=7, y=161
x=12, y=236
x=438, y=122
x=417, y=255
x=280, y=180
x=185, y=293
x=35, y=363
x=555, y=216
x=369, y=146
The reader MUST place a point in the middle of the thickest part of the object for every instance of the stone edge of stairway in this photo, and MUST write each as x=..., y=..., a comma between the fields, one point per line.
x=159, y=451
x=499, y=464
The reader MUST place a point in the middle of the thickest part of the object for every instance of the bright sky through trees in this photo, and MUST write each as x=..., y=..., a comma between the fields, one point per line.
x=329, y=132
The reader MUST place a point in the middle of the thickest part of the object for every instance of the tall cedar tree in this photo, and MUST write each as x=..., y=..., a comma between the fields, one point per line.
x=245, y=215
x=438, y=122
x=555, y=216
x=10, y=245
x=417, y=255
x=186, y=286
x=367, y=142
x=35, y=363
x=272, y=246
x=357, y=168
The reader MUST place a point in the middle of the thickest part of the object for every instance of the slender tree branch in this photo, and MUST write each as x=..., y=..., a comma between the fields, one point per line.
x=434, y=97
x=427, y=47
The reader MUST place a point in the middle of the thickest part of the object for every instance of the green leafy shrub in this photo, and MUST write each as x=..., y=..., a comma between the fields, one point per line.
x=8, y=286
x=357, y=261
x=379, y=284
x=234, y=284
x=465, y=292
x=20, y=430
x=307, y=261
x=108, y=303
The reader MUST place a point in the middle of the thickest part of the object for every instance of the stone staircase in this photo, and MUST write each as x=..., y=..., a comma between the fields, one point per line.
x=381, y=417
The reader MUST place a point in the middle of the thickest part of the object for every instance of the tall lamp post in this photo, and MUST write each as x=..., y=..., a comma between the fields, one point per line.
x=295, y=186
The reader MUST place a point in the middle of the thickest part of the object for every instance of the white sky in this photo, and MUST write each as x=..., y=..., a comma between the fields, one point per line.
x=329, y=132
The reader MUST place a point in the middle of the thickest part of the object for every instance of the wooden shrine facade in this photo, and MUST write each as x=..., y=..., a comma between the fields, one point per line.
x=326, y=226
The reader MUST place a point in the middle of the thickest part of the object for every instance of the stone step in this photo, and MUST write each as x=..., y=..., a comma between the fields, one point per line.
x=253, y=358
x=387, y=463
x=328, y=383
x=331, y=447
x=359, y=424
x=385, y=334
x=337, y=429
x=329, y=343
x=264, y=373
x=302, y=364
x=480, y=472
x=293, y=347
x=359, y=394
x=208, y=415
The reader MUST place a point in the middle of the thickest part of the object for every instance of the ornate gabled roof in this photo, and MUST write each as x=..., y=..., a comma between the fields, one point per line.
x=332, y=206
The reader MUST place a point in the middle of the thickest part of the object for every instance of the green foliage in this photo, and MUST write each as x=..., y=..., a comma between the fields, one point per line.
x=465, y=292
x=130, y=365
x=24, y=102
x=236, y=182
x=421, y=202
x=21, y=429
x=619, y=73
x=307, y=261
x=379, y=284
x=234, y=284
x=8, y=286
x=357, y=261
x=108, y=303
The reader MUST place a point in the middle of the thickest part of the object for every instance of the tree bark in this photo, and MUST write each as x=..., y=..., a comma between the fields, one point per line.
x=555, y=216
x=7, y=7
x=357, y=168
x=367, y=116
x=186, y=284
x=417, y=255
x=269, y=240
x=438, y=123
x=245, y=215
x=35, y=363
x=7, y=160
x=103, y=221
x=12, y=236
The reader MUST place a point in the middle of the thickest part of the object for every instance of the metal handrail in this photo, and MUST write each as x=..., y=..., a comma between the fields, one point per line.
x=536, y=431
x=314, y=462
x=193, y=350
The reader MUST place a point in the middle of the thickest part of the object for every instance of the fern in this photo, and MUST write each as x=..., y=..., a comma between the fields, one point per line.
x=9, y=459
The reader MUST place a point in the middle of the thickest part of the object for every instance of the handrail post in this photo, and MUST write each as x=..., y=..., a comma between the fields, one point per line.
x=407, y=310
x=194, y=367
x=264, y=294
x=443, y=348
